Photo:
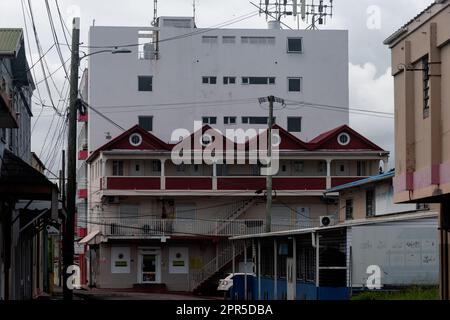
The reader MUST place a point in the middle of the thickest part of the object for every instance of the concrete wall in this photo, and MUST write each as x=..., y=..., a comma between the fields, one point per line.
x=200, y=250
x=422, y=139
x=179, y=97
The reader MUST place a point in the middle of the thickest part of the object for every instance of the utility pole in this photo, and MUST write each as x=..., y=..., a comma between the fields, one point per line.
x=269, y=174
x=271, y=100
x=68, y=241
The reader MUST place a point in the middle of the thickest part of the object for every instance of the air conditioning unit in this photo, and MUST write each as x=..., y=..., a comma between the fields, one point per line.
x=326, y=221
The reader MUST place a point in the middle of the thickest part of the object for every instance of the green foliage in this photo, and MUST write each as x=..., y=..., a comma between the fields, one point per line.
x=411, y=293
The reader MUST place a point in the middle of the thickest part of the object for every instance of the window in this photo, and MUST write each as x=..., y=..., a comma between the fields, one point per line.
x=294, y=45
x=117, y=168
x=229, y=80
x=209, y=120
x=209, y=39
x=361, y=169
x=156, y=166
x=370, y=203
x=145, y=83
x=426, y=86
x=258, y=40
x=343, y=139
x=229, y=120
x=294, y=84
x=258, y=80
x=209, y=80
x=298, y=166
x=322, y=166
x=128, y=211
x=256, y=120
x=228, y=39
x=349, y=209
x=135, y=139
x=181, y=168
x=146, y=123
x=294, y=124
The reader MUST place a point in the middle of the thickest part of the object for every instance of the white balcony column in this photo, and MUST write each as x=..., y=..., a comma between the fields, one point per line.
x=103, y=173
x=214, y=178
x=385, y=165
x=163, y=174
x=328, y=173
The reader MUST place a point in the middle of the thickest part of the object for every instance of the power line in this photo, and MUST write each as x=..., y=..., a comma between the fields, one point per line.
x=189, y=34
x=55, y=37
x=42, y=60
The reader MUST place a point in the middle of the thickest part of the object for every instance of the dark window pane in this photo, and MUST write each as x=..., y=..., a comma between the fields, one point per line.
x=295, y=45
x=145, y=83
x=294, y=85
x=232, y=80
x=146, y=123
x=258, y=80
x=294, y=124
x=225, y=80
x=212, y=120
x=213, y=80
x=205, y=80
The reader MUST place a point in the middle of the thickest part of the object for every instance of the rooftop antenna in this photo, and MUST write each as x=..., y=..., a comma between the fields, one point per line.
x=194, y=10
x=155, y=13
x=313, y=12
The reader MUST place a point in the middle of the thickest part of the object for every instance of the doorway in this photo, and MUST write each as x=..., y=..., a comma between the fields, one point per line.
x=149, y=270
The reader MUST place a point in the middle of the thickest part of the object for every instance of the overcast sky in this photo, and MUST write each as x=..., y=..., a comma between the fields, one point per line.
x=369, y=22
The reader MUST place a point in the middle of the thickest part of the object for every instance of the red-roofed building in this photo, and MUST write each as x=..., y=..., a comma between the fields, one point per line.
x=157, y=223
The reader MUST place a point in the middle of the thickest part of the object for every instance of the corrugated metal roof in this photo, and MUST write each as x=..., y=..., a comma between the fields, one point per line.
x=10, y=41
x=380, y=177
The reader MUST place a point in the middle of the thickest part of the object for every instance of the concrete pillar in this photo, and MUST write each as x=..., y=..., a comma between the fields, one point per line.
x=328, y=173
x=163, y=174
x=214, y=178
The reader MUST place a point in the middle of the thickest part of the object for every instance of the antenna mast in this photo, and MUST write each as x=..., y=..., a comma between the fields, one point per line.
x=310, y=11
x=193, y=10
x=155, y=12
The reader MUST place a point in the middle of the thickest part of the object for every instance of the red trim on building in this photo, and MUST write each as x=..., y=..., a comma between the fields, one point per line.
x=188, y=183
x=82, y=194
x=83, y=154
x=319, y=183
x=82, y=117
x=133, y=183
x=239, y=183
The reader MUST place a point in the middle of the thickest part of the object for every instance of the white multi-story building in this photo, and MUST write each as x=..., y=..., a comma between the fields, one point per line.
x=180, y=73
x=176, y=74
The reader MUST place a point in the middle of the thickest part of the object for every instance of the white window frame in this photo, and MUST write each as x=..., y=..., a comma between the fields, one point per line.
x=295, y=78
x=294, y=38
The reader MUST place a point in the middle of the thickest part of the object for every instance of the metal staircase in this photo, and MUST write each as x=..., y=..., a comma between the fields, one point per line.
x=235, y=211
x=225, y=256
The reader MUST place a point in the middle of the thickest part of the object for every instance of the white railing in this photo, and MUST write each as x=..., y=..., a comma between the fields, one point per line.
x=197, y=277
x=141, y=227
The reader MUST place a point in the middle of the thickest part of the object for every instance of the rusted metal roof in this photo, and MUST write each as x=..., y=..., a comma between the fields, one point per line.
x=10, y=39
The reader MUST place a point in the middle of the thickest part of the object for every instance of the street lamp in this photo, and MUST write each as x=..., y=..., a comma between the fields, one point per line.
x=112, y=51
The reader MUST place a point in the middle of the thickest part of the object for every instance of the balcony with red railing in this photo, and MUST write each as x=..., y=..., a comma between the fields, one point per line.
x=83, y=154
x=189, y=183
x=132, y=183
x=339, y=181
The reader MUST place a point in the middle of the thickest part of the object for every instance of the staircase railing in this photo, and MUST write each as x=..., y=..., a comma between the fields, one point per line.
x=224, y=257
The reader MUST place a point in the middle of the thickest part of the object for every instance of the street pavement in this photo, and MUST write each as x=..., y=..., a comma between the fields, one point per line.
x=99, y=294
